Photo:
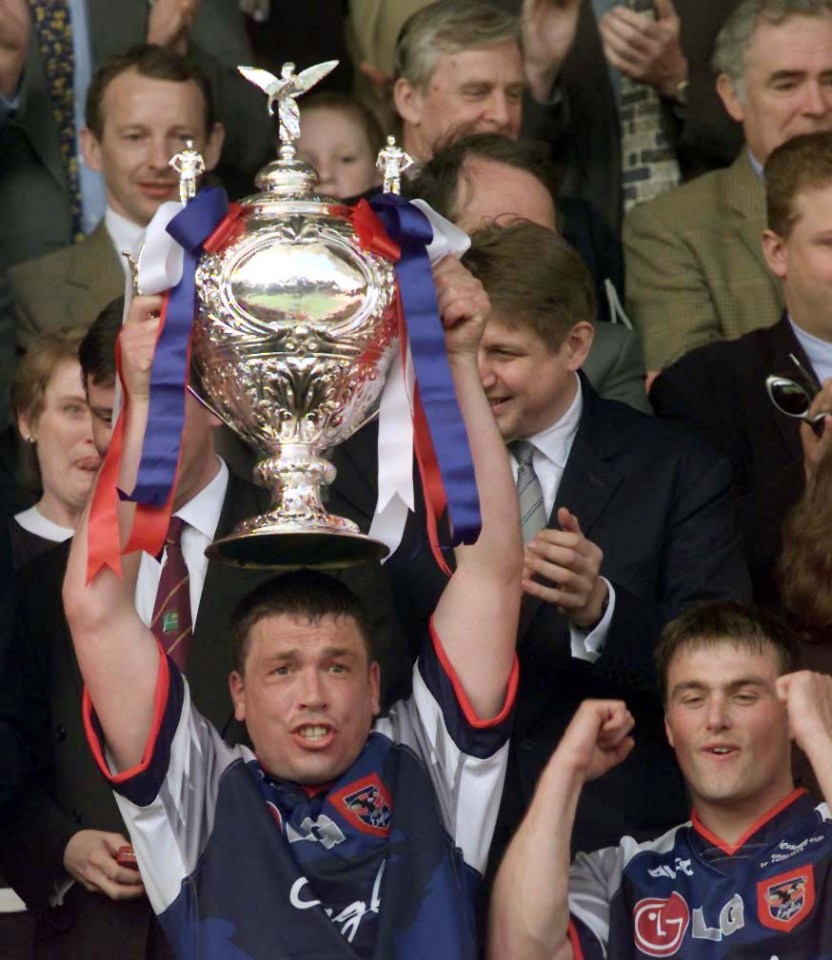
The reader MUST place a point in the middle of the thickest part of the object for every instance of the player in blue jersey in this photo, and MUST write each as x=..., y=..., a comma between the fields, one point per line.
x=337, y=836
x=750, y=875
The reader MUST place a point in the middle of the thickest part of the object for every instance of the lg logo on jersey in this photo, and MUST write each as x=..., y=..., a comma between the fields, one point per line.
x=660, y=924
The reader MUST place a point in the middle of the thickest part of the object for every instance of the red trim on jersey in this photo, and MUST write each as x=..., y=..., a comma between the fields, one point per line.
x=575, y=941
x=731, y=849
x=159, y=703
x=462, y=698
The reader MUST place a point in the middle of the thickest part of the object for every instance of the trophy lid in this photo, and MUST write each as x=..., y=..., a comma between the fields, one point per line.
x=287, y=176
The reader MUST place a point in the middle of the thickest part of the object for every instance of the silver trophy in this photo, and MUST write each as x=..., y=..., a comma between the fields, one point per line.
x=295, y=333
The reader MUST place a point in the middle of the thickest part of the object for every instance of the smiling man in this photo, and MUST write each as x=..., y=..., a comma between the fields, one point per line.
x=748, y=875
x=630, y=522
x=459, y=68
x=337, y=836
x=626, y=520
x=695, y=269
x=141, y=108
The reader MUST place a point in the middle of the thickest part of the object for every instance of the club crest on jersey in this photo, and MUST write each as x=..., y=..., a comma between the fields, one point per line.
x=367, y=805
x=787, y=899
x=659, y=924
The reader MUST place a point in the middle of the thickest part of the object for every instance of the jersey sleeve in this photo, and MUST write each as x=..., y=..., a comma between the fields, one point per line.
x=465, y=756
x=594, y=879
x=168, y=799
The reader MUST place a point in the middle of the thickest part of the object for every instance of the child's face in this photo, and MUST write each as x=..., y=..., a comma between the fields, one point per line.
x=336, y=146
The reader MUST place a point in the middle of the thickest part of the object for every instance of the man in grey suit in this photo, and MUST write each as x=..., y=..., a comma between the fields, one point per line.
x=695, y=267
x=141, y=108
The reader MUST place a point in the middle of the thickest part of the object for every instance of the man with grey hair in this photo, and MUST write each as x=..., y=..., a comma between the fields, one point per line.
x=458, y=68
x=695, y=266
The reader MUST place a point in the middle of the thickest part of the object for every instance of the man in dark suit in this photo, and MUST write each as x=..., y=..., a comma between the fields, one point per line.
x=59, y=843
x=635, y=523
x=720, y=390
x=575, y=60
x=460, y=70
x=488, y=178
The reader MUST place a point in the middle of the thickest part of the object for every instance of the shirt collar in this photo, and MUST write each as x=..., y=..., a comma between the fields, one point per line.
x=818, y=352
x=126, y=235
x=555, y=441
x=756, y=166
x=202, y=512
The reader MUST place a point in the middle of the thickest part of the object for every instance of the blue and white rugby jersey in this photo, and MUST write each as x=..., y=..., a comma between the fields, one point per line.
x=690, y=896
x=383, y=863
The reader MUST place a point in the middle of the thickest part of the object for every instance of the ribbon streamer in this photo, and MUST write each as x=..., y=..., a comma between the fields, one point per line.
x=411, y=229
x=171, y=362
x=169, y=258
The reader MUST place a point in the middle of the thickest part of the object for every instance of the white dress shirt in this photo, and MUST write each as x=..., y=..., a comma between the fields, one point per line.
x=127, y=237
x=551, y=451
x=201, y=515
x=819, y=352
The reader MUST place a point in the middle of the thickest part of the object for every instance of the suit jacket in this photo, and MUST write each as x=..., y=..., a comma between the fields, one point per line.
x=719, y=391
x=582, y=121
x=68, y=286
x=615, y=366
x=695, y=266
x=34, y=194
x=656, y=501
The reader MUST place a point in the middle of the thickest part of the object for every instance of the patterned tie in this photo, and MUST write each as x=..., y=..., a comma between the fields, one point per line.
x=53, y=29
x=648, y=162
x=171, y=624
x=532, y=510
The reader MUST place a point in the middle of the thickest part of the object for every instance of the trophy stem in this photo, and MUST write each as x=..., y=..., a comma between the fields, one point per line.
x=297, y=531
x=295, y=477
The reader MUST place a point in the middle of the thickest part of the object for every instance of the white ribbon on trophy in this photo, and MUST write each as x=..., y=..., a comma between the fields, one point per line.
x=395, y=418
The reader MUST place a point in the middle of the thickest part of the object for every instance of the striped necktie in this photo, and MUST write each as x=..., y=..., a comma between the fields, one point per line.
x=171, y=623
x=53, y=30
x=529, y=491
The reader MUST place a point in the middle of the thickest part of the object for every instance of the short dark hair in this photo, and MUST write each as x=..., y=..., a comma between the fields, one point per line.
x=440, y=177
x=97, y=351
x=717, y=622
x=802, y=163
x=533, y=278
x=148, y=60
x=307, y=594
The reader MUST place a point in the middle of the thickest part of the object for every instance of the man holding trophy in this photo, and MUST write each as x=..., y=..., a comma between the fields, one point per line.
x=384, y=858
x=338, y=834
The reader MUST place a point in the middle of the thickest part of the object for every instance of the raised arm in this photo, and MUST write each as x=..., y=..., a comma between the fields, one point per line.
x=808, y=700
x=476, y=617
x=529, y=916
x=117, y=653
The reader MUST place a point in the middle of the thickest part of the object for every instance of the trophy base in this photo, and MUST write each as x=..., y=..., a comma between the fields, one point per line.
x=284, y=548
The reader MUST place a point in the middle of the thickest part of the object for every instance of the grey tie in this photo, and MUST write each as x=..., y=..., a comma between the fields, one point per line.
x=532, y=510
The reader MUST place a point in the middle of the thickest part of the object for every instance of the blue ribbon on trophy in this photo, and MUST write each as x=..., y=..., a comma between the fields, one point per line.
x=411, y=228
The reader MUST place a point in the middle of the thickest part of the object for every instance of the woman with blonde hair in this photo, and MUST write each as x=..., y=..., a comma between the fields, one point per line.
x=53, y=418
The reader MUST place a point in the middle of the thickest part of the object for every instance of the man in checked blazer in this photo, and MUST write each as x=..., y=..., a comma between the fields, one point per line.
x=695, y=268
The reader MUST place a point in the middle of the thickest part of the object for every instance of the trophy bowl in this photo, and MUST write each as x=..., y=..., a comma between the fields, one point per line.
x=294, y=335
